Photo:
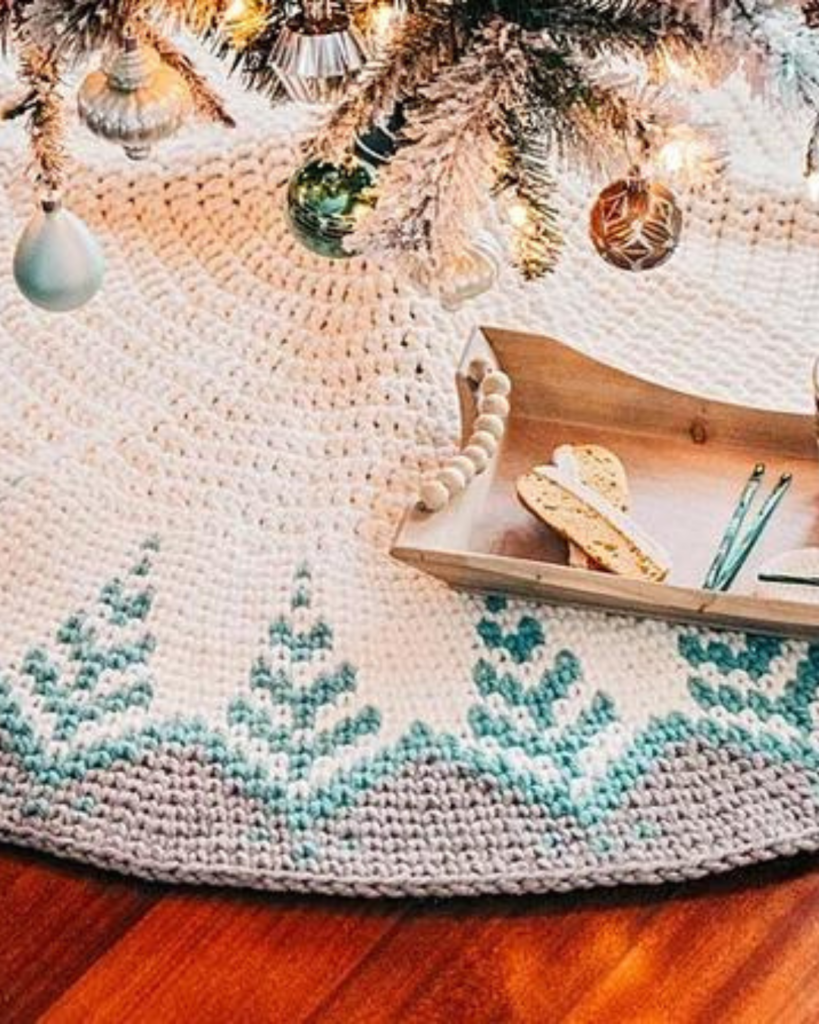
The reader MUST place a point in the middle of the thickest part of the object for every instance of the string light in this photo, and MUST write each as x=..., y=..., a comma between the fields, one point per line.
x=691, y=155
x=384, y=20
x=244, y=20
x=518, y=215
x=235, y=11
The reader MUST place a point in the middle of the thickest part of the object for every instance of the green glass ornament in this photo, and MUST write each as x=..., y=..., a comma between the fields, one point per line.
x=325, y=203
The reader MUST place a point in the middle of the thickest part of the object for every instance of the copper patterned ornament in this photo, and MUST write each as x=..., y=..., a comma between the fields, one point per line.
x=636, y=224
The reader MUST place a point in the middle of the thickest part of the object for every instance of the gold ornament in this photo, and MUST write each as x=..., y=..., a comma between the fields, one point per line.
x=636, y=224
x=135, y=101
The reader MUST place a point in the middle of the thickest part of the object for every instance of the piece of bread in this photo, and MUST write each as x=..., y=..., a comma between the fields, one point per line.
x=599, y=469
x=591, y=522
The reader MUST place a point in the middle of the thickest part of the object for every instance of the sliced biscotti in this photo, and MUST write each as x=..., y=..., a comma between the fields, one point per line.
x=596, y=468
x=599, y=469
x=597, y=527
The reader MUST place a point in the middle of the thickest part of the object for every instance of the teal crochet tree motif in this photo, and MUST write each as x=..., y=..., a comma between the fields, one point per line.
x=295, y=687
x=526, y=717
x=754, y=657
x=95, y=672
x=98, y=666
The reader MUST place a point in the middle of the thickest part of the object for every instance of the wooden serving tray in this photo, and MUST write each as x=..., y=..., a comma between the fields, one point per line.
x=687, y=458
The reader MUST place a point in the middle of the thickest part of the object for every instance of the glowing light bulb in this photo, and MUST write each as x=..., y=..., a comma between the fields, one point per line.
x=518, y=215
x=672, y=157
x=692, y=155
x=385, y=18
x=236, y=10
x=244, y=20
x=382, y=23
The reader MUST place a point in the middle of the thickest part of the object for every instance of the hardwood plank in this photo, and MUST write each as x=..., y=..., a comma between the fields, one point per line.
x=717, y=953
x=12, y=864
x=55, y=920
x=739, y=949
x=218, y=957
x=497, y=960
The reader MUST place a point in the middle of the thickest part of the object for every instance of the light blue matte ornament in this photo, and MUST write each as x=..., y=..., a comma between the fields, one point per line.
x=58, y=263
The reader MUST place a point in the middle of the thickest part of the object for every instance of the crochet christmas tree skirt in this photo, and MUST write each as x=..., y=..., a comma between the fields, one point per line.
x=210, y=668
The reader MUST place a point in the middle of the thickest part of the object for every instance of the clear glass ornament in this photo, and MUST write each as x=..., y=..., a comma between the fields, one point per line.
x=458, y=276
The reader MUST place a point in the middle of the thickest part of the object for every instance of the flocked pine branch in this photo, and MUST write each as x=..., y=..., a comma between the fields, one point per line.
x=253, y=57
x=602, y=27
x=421, y=50
x=433, y=189
x=787, y=50
x=76, y=30
x=206, y=100
x=41, y=74
x=494, y=91
x=7, y=18
x=527, y=175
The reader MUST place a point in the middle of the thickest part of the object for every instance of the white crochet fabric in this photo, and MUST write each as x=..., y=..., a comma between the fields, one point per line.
x=264, y=416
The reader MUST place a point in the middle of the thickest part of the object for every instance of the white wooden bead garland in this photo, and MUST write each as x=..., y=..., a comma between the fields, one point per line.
x=492, y=400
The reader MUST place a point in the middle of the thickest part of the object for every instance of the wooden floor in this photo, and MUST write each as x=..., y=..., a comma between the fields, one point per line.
x=80, y=945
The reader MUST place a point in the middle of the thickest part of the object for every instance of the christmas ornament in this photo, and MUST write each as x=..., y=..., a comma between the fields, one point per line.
x=325, y=203
x=459, y=276
x=378, y=144
x=317, y=53
x=58, y=263
x=135, y=101
x=636, y=224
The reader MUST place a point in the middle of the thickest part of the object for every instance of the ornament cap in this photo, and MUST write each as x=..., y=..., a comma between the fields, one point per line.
x=133, y=67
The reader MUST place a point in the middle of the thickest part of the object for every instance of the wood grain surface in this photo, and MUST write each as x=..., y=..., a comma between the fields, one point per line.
x=687, y=459
x=78, y=945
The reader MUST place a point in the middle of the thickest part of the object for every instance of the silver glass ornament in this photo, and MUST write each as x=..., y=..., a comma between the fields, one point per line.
x=317, y=54
x=58, y=263
x=136, y=100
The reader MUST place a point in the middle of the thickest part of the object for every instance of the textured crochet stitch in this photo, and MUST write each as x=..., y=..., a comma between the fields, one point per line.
x=211, y=670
